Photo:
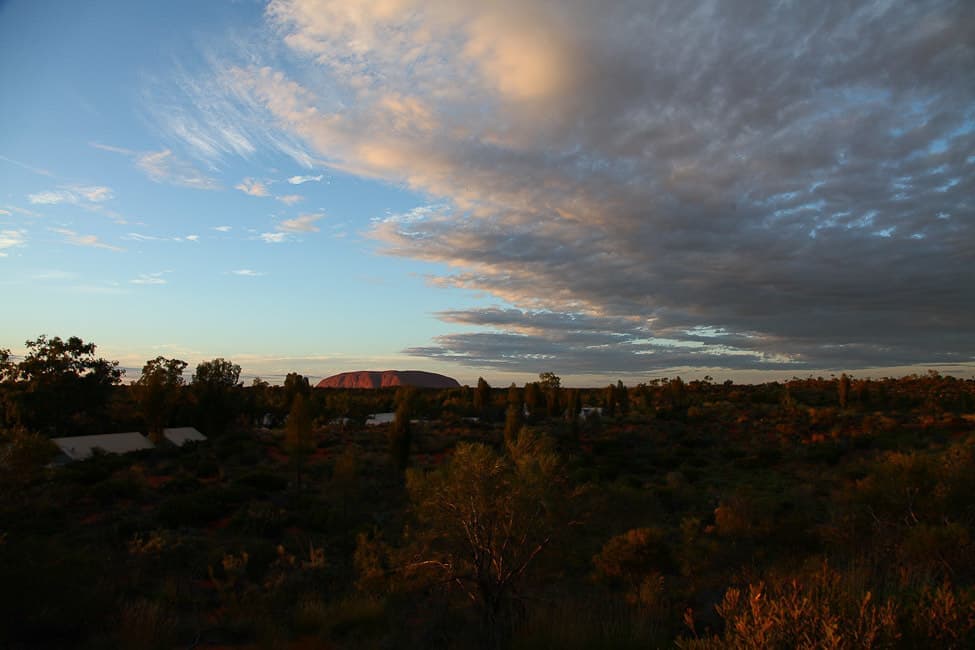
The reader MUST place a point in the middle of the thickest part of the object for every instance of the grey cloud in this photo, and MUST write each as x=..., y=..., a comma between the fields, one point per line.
x=795, y=176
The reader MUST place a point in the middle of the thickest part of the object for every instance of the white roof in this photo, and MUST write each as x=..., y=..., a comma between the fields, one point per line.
x=181, y=435
x=81, y=447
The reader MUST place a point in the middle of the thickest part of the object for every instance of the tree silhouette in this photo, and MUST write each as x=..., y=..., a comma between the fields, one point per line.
x=157, y=392
x=298, y=436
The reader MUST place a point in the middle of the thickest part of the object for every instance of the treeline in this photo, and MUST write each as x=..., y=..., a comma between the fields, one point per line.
x=62, y=388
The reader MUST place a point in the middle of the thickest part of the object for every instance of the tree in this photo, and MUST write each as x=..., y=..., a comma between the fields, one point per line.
x=533, y=398
x=483, y=519
x=214, y=383
x=400, y=434
x=158, y=390
x=61, y=380
x=482, y=397
x=294, y=384
x=843, y=390
x=549, y=380
x=513, y=422
x=298, y=436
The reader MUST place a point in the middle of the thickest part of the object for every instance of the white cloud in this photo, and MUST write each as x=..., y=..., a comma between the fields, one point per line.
x=222, y=228
x=193, y=238
x=51, y=197
x=302, y=223
x=150, y=278
x=273, y=237
x=78, y=239
x=12, y=239
x=248, y=273
x=298, y=180
x=73, y=194
x=252, y=187
x=290, y=199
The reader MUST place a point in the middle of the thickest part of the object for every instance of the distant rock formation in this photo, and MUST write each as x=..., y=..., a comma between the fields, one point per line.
x=388, y=378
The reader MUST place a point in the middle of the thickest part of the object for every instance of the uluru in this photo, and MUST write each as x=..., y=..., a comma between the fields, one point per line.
x=387, y=379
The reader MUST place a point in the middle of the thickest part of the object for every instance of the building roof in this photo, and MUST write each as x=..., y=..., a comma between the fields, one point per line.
x=181, y=435
x=81, y=447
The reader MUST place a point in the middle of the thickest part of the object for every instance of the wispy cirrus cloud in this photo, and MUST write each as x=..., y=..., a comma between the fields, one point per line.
x=78, y=239
x=252, y=187
x=247, y=273
x=290, y=199
x=72, y=194
x=164, y=167
x=222, y=228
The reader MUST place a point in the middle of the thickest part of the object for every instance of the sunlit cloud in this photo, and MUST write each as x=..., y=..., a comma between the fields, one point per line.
x=252, y=187
x=192, y=238
x=164, y=167
x=302, y=223
x=222, y=228
x=290, y=199
x=682, y=183
x=247, y=273
x=78, y=239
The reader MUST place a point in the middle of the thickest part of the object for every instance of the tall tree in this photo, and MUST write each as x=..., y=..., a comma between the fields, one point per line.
x=533, y=398
x=400, y=434
x=158, y=390
x=298, y=436
x=549, y=380
x=214, y=384
x=482, y=397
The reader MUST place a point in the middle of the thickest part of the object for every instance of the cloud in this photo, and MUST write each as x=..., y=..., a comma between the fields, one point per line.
x=290, y=199
x=248, y=273
x=298, y=180
x=11, y=239
x=30, y=168
x=222, y=228
x=164, y=167
x=779, y=187
x=302, y=223
x=192, y=238
x=78, y=239
x=211, y=121
x=252, y=187
x=72, y=194
x=150, y=278
x=273, y=237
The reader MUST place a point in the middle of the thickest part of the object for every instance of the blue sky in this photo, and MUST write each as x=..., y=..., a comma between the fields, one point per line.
x=496, y=190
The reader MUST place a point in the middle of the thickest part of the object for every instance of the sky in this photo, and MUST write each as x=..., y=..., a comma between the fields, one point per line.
x=623, y=189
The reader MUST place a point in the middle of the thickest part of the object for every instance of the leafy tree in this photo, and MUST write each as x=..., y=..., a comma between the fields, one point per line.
x=60, y=380
x=214, y=384
x=298, y=436
x=549, y=380
x=295, y=384
x=622, y=397
x=483, y=519
x=158, y=390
